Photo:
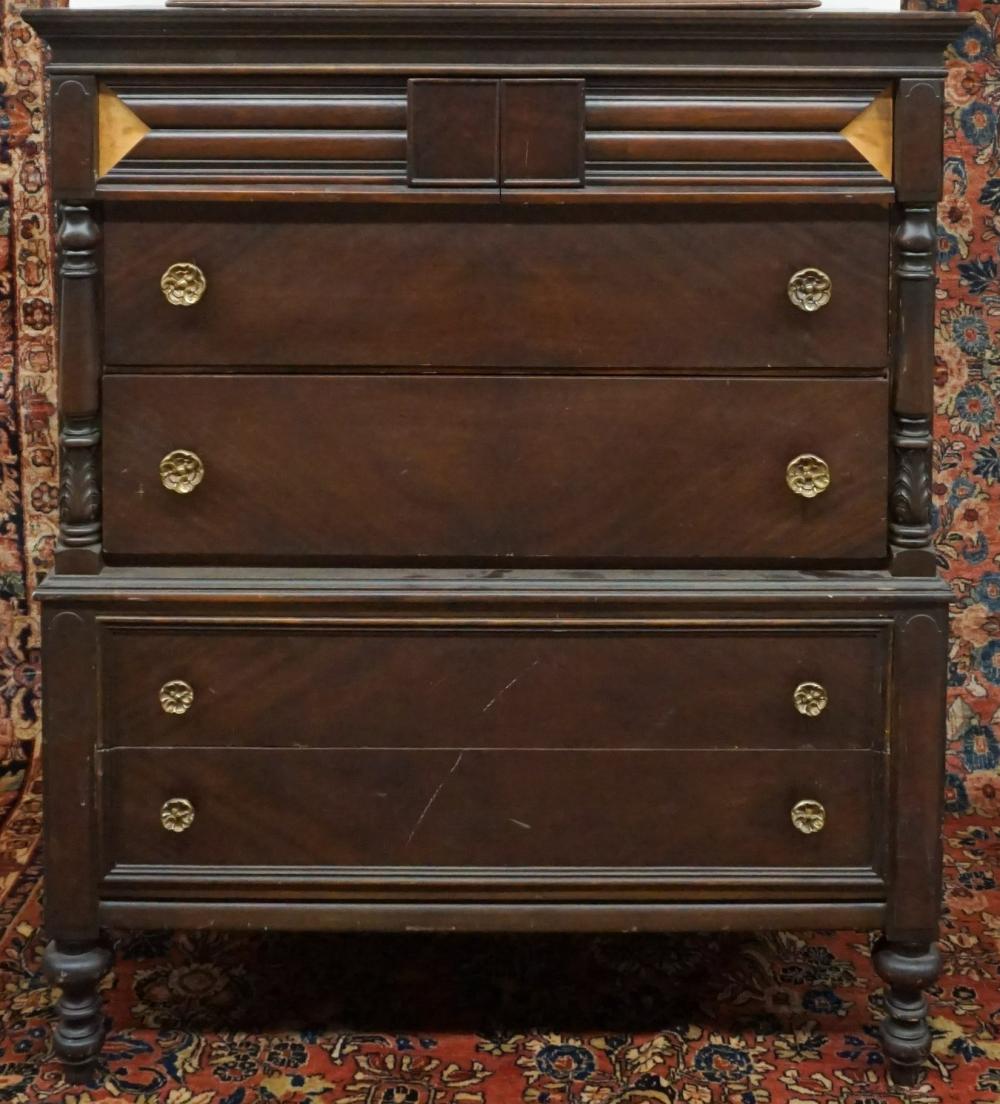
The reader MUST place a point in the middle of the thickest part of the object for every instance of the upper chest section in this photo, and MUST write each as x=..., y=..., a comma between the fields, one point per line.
x=561, y=103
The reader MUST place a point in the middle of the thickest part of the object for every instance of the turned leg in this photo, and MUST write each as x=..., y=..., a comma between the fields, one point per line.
x=77, y=969
x=907, y=969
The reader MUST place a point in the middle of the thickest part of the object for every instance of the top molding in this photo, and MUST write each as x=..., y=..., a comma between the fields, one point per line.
x=582, y=37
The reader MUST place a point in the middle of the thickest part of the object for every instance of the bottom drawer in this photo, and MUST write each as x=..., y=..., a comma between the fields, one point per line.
x=449, y=807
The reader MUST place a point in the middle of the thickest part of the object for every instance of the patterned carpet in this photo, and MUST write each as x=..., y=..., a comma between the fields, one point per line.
x=215, y=1019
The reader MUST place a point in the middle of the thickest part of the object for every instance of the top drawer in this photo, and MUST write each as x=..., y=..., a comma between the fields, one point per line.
x=596, y=289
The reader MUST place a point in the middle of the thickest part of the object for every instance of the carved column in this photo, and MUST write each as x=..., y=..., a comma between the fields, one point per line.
x=910, y=529
x=79, y=548
x=917, y=157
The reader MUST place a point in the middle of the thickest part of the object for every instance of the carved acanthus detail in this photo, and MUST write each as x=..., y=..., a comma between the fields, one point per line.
x=910, y=502
x=80, y=484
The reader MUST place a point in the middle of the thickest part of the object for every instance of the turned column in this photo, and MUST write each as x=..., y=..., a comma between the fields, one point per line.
x=76, y=959
x=907, y=969
x=77, y=970
x=907, y=957
x=79, y=547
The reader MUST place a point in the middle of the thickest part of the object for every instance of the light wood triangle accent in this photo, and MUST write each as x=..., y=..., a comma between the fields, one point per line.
x=870, y=133
x=119, y=130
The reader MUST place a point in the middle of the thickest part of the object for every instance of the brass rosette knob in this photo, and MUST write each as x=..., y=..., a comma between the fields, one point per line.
x=183, y=284
x=176, y=697
x=808, y=475
x=181, y=471
x=809, y=817
x=810, y=698
x=177, y=814
x=810, y=289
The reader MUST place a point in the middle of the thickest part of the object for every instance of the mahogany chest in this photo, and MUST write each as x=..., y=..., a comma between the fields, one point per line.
x=496, y=454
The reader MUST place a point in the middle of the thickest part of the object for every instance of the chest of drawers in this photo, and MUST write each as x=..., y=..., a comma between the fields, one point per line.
x=496, y=477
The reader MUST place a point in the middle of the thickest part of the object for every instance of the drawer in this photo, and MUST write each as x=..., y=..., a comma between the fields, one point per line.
x=421, y=687
x=493, y=469
x=476, y=808
x=604, y=288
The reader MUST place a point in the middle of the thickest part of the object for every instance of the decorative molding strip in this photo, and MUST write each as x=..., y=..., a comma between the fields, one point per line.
x=667, y=132
x=207, y=133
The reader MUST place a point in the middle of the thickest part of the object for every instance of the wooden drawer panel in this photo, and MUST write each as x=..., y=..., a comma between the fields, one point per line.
x=636, y=288
x=675, y=687
x=493, y=468
x=392, y=808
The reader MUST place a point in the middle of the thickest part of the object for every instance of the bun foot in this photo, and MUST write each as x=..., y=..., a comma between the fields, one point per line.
x=907, y=969
x=77, y=969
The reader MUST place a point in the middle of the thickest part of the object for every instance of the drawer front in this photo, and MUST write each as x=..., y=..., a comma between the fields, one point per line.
x=475, y=808
x=679, y=686
x=486, y=469
x=595, y=289
x=618, y=134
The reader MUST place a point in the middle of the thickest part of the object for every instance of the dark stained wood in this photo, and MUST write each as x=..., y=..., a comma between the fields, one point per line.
x=908, y=969
x=454, y=133
x=516, y=808
x=481, y=917
x=405, y=595
x=626, y=289
x=229, y=106
x=494, y=597
x=735, y=146
x=79, y=545
x=471, y=469
x=72, y=121
x=71, y=725
x=76, y=970
x=272, y=145
x=604, y=4
x=652, y=105
x=918, y=132
x=917, y=782
x=462, y=688
x=594, y=38
x=541, y=133
x=911, y=528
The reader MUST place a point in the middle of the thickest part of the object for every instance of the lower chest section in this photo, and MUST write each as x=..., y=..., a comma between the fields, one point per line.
x=523, y=754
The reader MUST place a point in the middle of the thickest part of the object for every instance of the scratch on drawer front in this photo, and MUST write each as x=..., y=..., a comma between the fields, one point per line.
x=496, y=697
x=433, y=798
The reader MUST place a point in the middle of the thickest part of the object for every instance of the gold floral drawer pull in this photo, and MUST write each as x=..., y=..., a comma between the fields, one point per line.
x=176, y=696
x=810, y=698
x=809, y=817
x=181, y=471
x=183, y=284
x=808, y=475
x=810, y=289
x=177, y=814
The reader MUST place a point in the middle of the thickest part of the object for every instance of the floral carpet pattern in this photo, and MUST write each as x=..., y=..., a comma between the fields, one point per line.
x=207, y=1018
